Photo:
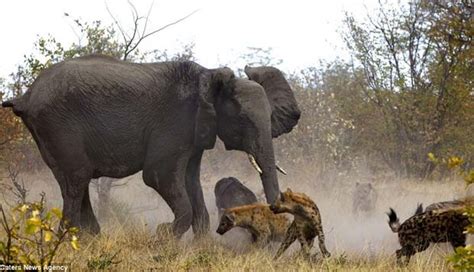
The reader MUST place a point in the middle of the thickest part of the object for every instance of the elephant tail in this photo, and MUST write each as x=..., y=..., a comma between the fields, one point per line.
x=8, y=104
x=16, y=104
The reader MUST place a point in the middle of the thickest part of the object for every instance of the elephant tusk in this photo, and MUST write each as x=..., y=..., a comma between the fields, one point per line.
x=281, y=170
x=255, y=164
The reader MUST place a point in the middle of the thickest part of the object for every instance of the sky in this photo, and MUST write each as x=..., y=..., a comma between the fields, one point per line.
x=301, y=32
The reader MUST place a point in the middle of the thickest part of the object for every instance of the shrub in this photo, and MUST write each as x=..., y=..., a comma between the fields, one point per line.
x=463, y=258
x=33, y=234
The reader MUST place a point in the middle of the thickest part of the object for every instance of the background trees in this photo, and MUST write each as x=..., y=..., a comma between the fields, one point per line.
x=406, y=91
x=418, y=68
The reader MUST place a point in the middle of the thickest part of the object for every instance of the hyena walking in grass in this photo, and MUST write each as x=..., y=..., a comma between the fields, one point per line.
x=263, y=224
x=306, y=224
x=435, y=226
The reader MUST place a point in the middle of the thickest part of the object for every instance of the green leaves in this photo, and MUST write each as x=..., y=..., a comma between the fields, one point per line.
x=57, y=212
x=432, y=158
x=34, y=235
x=469, y=177
x=463, y=259
x=415, y=58
x=74, y=242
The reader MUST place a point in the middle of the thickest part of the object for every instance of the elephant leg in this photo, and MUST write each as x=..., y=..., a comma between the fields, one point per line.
x=167, y=178
x=193, y=187
x=88, y=219
x=73, y=188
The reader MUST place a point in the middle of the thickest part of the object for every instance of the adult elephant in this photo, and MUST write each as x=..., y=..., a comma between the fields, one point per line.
x=97, y=116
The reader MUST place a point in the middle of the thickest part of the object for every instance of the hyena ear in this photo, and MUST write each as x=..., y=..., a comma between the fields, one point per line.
x=288, y=190
x=282, y=196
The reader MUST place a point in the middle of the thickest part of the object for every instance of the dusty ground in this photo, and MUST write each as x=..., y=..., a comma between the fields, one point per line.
x=357, y=244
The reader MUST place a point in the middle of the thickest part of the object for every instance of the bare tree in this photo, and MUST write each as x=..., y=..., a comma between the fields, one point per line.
x=140, y=32
x=16, y=187
x=413, y=57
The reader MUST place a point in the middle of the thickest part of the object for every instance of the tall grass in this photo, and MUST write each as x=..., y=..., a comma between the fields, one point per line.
x=136, y=248
x=128, y=241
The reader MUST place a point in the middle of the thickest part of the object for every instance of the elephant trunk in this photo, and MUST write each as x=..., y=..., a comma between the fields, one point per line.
x=265, y=160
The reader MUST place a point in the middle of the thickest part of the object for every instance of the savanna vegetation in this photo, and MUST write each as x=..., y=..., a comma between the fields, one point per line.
x=398, y=113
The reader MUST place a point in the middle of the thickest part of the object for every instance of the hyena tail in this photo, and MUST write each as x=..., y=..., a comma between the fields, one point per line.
x=393, y=222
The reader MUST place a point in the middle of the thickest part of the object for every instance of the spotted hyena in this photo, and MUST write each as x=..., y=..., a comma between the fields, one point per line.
x=364, y=199
x=436, y=226
x=306, y=224
x=263, y=224
x=444, y=205
x=447, y=205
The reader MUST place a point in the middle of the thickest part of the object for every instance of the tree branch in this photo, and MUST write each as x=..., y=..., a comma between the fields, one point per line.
x=156, y=31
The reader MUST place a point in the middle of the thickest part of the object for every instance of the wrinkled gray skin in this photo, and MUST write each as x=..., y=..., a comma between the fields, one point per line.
x=97, y=116
x=230, y=192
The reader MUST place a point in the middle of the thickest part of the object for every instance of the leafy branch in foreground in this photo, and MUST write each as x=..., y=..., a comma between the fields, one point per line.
x=463, y=258
x=33, y=235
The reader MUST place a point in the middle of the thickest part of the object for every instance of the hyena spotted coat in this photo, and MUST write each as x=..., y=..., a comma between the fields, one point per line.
x=435, y=226
x=306, y=224
x=263, y=224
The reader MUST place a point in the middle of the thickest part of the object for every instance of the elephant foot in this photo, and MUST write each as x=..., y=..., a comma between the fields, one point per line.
x=92, y=228
x=201, y=225
x=164, y=231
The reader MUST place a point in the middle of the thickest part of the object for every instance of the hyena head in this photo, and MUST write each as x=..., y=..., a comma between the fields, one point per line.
x=365, y=196
x=226, y=223
x=294, y=203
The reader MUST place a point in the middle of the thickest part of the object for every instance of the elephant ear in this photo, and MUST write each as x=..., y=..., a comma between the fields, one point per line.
x=285, y=111
x=210, y=84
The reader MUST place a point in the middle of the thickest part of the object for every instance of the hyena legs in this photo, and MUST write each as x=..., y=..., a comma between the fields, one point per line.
x=321, y=238
x=406, y=251
x=306, y=244
x=290, y=237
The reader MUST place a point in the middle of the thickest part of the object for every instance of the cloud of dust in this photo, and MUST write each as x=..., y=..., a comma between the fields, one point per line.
x=345, y=233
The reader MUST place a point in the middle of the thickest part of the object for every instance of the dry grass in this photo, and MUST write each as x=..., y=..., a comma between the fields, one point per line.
x=139, y=250
x=356, y=244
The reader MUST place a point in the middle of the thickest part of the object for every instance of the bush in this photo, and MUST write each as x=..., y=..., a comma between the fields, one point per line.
x=463, y=258
x=33, y=234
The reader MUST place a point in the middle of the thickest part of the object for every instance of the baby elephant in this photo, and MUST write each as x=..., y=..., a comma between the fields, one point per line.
x=436, y=226
x=230, y=192
x=306, y=224
x=258, y=219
